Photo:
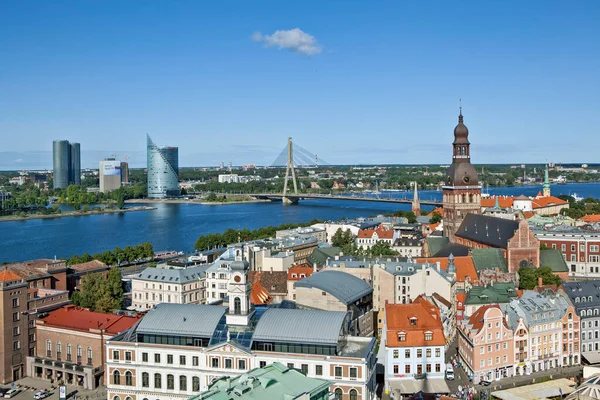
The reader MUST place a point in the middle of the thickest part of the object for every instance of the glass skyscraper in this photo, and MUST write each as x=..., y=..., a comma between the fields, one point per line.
x=66, y=163
x=163, y=170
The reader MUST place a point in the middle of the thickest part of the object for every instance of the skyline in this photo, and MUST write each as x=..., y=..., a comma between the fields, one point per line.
x=357, y=85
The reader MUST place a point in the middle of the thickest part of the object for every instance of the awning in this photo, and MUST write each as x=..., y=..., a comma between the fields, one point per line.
x=593, y=357
x=411, y=386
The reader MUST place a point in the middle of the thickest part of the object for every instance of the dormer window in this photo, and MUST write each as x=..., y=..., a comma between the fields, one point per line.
x=402, y=337
x=294, y=275
x=413, y=321
x=428, y=336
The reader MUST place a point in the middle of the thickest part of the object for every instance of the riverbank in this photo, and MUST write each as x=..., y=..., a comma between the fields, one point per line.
x=74, y=214
x=194, y=201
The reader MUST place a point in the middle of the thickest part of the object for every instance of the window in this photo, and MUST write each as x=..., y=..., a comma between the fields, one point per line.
x=144, y=357
x=353, y=394
x=594, y=248
x=157, y=358
x=402, y=337
x=115, y=355
x=228, y=363
x=214, y=362
x=170, y=382
x=262, y=364
x=407, y=369
x=182, y=360
x=16, y=345
x=428, y=353
x=128, y=379
x=145, y=379
x=395, y=368
x=157, y=381
x=338, y=394
x=338, y=372
x=195, y=384
x=419, y=353
x=594, y=259
x=563, y=247
x=438, y=368
x=89, y=356
x=396, y=353
x=182, y=382
x=127, y=356
x=304, y=369
x=437, y=352
x=481, y=350
x=318, y=370
x=169, y=358
x=241, y=364
x=353, y=373
x=68, y=351
x=407, y=353
x=428, y=336
x=116, y=377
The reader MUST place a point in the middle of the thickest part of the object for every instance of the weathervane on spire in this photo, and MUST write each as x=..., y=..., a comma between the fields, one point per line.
x=460, y=105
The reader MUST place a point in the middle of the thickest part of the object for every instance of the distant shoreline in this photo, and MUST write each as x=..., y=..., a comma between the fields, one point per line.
x=73, y=214
x=202, y=203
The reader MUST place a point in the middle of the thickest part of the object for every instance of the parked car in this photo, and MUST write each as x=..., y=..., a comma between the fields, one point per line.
x=485, y=383
x=449, y=372
x=42, y=394
x=11, y=393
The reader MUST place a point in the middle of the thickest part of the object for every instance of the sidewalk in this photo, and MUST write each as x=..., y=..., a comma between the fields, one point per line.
x=536, y=377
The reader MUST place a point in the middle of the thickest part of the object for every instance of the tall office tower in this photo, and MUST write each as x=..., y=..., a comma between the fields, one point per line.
x=66, y=160
x=110, y=175
x=163, y=170
x=124, y=172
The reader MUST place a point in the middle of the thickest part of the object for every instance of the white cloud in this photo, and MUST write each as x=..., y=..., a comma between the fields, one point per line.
x=294, y=39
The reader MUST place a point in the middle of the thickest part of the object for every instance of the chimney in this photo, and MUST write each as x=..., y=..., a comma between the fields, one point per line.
x=540, y=282
x=438, y=265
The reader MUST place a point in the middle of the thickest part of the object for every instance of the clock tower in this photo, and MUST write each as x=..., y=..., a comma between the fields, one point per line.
x=461, y=191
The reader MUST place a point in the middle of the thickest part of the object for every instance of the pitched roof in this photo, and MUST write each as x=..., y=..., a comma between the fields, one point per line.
x=554, y=259
x=436, y=243
x=492, y=294
x=381, y=231
x=173, y=276
x=300, y=326
x=426, y=318
x=477, y=320
x=548, y=201
x=457, y=250
x=503, y=201
x=464, y=266
x=81, y=319
x=88, y=266
x=442, y=300
x=294, y=272
x=345, y=287
x=198, y=320
x=489, y=258
x=7, y=275
x=590, y=218
x=259, y=295
x=272, y=281
x=437, y=210
x=492, y=231
x=321, y=254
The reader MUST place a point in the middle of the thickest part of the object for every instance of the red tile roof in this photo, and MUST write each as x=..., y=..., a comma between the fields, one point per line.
x=549, y=201
x=382, y=233
x=476, y=320
x=438, y=210
x=460, y=305
x=298, y=270
x=528, y=214
x=427, y=319
x=592, y=218
x=464, y=266
x=7, y=275
x=503, y=201
x=259, y=295
x=88, y=266
x=82, y=319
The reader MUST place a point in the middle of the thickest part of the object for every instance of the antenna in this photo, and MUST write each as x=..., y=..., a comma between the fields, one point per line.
x=460, y=105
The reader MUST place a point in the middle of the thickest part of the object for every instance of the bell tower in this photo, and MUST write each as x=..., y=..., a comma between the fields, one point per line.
x=238, y=291
x=461, y=192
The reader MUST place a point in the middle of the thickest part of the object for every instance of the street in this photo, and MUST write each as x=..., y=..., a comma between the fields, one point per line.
x=34, y=385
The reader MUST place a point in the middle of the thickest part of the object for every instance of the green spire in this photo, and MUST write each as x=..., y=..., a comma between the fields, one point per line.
x=546, y=187
x=496, y=203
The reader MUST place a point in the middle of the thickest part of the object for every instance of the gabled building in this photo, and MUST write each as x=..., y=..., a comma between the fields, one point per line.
x=367, y=238
x=485, y=345
x=585, y=297
x=413, y=348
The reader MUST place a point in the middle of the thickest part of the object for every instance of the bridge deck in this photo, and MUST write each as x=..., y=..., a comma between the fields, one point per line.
x=340, y=197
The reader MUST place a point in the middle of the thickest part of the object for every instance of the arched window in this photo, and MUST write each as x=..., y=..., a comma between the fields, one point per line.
x=464, y=198
x=195, y=384
x=89, y=356
x=69, y=351
x=128, y=379
x=58, y=348
x=589, y=298
x=48, y=348
x=570, y=316
x=353, y=394
x=116, y=377
x=596, y=311
x=145, y=379
x=182, y=382
x=576, y=299
x=170, y=382
x=116, y=398
x=127, y=398
x=338, y=394
x=237, y=306
x=157, y=381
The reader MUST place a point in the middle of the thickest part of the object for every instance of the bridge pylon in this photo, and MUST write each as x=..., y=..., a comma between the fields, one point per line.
x=290, y=167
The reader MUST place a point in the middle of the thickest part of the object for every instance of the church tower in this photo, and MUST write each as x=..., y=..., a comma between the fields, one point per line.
x=238, y=291
x=546, y=187
x=416, y=205
x=461, y=192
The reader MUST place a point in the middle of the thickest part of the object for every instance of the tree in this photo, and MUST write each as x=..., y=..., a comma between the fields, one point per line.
x=382, y=249
x=114, y=283
x=435, y=218
x=527, y=278
x=548, y=278
x=120, y=199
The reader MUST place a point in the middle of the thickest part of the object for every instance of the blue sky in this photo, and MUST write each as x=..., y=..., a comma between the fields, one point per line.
x=358, y=82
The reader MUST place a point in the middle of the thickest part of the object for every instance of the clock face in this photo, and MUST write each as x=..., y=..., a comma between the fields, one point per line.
x=466, y=179
x=237, y=279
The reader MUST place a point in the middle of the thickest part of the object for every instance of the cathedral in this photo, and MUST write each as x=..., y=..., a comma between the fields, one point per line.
x=461, y=190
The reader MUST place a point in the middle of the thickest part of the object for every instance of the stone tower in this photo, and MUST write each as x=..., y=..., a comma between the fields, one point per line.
x=461, y=192
x=416, y=205
x=238, y=291
x=546, y=187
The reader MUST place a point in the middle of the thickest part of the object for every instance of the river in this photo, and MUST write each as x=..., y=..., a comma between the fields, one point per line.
x=177, y=226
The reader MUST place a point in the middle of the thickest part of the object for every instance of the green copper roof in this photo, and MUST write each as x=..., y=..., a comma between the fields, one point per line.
x=321, y=254
x=554, y=259
x=273, y=382
x=488, y=259
x=492, y=294
x=436, y=243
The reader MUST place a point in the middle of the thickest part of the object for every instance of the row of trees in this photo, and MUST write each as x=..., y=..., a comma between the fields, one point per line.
x=99, y=294
x=578, y=209
x=117, y=256
x=217, y=240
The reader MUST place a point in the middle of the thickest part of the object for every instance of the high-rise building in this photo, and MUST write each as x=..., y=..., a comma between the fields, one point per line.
x=163, y=170
x=462, y=192
x=110, y=175
x=66, y=161
x=124, y=172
